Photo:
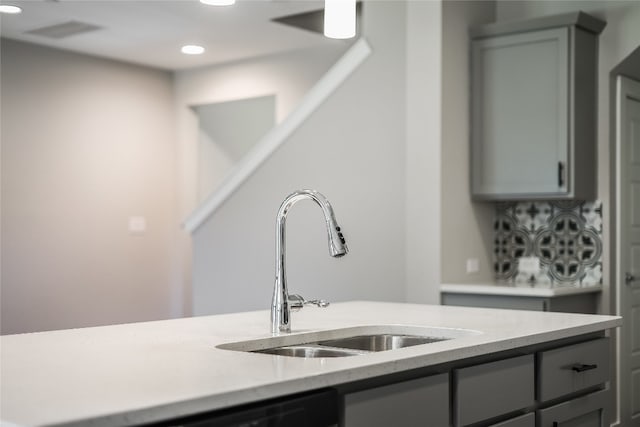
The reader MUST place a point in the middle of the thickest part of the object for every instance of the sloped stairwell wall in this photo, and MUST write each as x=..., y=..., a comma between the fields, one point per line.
x=352, y=149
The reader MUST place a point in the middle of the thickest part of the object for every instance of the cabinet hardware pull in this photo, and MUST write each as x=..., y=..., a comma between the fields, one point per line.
x=581, y=367
x=629, y=278
x=560, y=174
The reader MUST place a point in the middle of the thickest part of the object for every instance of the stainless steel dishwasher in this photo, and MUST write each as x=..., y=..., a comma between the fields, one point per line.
x=314, y=409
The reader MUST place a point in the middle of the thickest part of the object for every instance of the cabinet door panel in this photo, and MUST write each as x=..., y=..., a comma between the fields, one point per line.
x=586, y=411
x=493, y=389
x=496, y=301
x=591, y=419
x=421, y=402
x=572, y=368
x=520, y=113
x=528, y=420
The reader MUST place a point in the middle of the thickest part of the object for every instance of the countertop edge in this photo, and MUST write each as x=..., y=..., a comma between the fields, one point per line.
x=505, y=290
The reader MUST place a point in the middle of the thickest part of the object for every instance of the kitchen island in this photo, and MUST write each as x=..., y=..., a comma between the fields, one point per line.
x=154, y=371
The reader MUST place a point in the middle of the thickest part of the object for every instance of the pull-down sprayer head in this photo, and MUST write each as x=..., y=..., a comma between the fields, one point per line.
x=337, y=244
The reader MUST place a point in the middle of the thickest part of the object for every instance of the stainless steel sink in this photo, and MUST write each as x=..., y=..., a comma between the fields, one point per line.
x=308, y=351
x=350, y=346
x=352, y=341
x=380, y=342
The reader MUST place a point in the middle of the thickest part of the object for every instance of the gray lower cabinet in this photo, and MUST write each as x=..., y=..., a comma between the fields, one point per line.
x=492, y=389
x=528, y=420
x=405, y=404
x=576, y=303
x=562, y=385
x=566, y=370
x=586, y=411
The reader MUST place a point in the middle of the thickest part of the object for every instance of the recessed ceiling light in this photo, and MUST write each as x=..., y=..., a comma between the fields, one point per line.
x=5, y=8
x=218, y=2
x=192, y=49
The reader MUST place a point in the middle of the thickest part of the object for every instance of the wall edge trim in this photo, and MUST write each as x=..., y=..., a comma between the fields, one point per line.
x=331, y=80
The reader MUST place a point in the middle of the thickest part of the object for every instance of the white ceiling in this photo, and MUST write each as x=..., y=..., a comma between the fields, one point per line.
x=151, y=32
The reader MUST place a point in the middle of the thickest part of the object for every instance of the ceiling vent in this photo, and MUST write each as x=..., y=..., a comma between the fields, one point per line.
x=310, y=21
x=67, y=29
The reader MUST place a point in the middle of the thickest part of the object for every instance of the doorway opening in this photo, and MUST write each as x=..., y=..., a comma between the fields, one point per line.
x=627, y=236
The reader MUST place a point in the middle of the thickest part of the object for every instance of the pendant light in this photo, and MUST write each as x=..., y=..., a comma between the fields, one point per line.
x=218, y=2
x=340, y=19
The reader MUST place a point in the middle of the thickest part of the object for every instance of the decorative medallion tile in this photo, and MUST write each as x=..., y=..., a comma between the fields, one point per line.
x=565, y=235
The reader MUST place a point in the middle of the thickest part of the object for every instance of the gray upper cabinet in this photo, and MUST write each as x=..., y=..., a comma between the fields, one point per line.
x=533, y=109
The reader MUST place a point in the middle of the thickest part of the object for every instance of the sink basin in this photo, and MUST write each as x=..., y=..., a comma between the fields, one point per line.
x=353, y=341
x=308, y=351
x=381, y=342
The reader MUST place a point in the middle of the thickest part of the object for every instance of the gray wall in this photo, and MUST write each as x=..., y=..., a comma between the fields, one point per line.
x=225, y=136
x=288, y=76
x=422, y=158
x=466, y=226
x=374, y=148
x=423, y=51
x=86, y=143
x=352, y=149
x=619, y=38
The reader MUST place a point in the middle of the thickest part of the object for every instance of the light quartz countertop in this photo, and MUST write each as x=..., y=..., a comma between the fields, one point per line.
x=521, y=291
x=146, y=372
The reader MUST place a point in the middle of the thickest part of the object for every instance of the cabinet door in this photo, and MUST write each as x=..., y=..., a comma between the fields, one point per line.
x=586, y=411
x=528, y=420
x=510, y=302
x=421, y=402
x=520, y=113
x=493, y=389
x=572, y=368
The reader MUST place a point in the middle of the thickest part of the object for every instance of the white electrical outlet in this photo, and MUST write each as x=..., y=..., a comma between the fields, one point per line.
x=137, y=225
x=529, y=265
x=473, y=265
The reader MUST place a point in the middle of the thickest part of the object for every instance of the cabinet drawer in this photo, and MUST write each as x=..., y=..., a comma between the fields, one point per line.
x=586, y=411
x=573, y=368
x=492, y=389
x=528, y=420
x=406, y=404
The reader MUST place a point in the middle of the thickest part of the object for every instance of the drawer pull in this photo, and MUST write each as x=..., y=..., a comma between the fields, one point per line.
x=560, y=174
x=581, y=367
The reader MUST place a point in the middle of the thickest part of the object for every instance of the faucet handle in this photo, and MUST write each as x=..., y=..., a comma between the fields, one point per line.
x=318, y=302
x=297, y=302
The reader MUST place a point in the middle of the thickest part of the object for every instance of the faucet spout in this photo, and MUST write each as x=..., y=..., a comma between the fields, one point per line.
x=282, y=304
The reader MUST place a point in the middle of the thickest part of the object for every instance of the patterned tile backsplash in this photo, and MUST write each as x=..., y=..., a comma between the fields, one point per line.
x=565, y=236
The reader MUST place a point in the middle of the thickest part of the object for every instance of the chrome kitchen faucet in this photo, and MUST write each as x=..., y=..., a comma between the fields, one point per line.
x=282, y=303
